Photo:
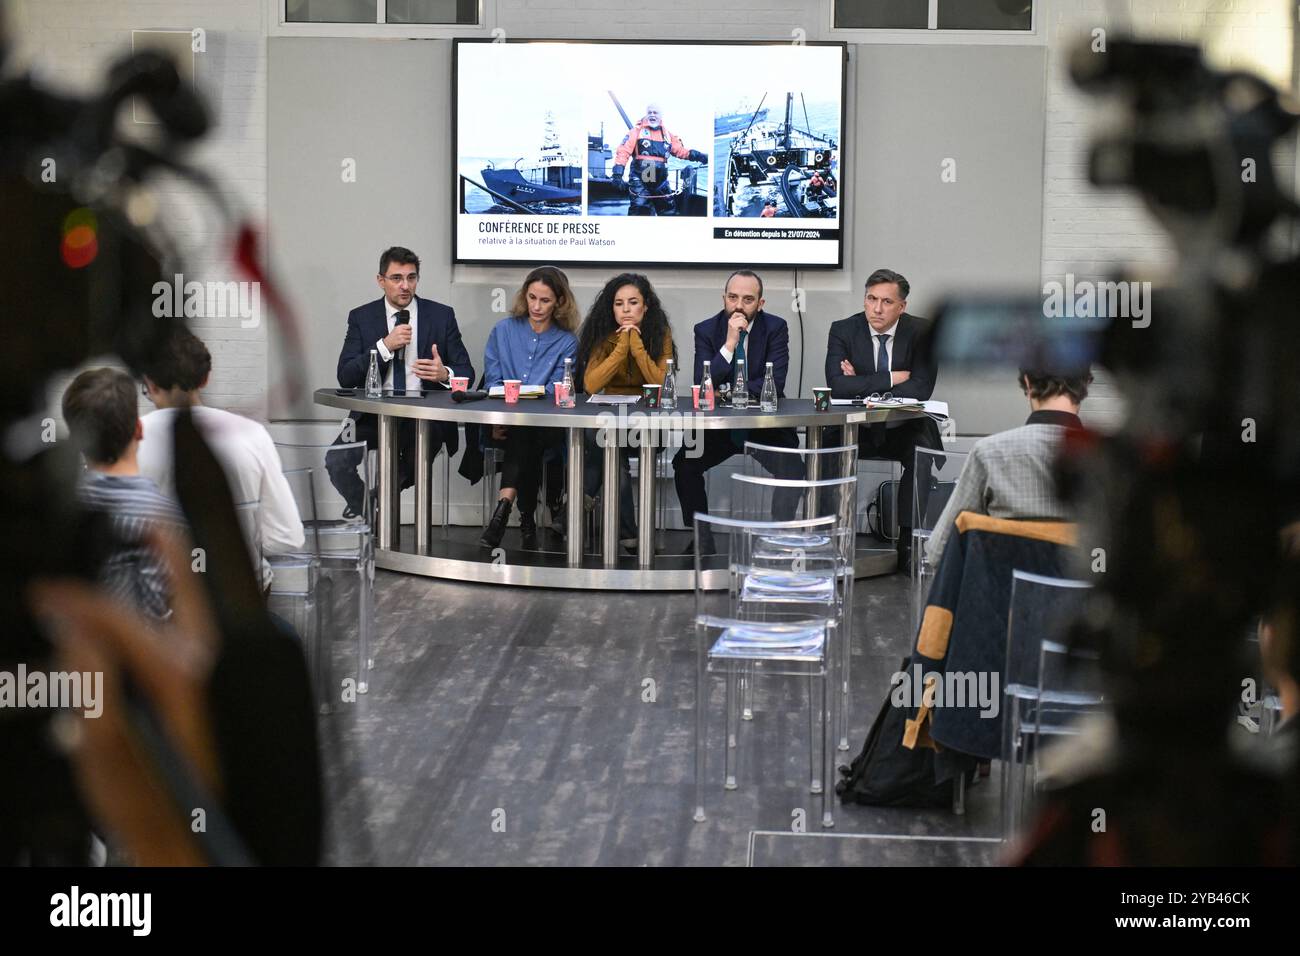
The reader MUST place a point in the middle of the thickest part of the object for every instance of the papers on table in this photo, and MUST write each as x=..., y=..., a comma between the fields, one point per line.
x=600, y=398
x=525, y=391
x=934, y=408
x=878, y=403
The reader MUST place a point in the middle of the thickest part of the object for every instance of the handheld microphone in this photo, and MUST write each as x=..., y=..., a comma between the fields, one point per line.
x=468, y=396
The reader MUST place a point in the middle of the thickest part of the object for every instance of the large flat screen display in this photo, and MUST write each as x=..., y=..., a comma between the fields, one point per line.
x=649, y=153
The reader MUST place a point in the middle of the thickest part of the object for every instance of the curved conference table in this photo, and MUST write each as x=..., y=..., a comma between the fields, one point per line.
x=456, y=553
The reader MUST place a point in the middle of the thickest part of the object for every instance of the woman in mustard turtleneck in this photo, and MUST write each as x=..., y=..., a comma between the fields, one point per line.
x=624, y=343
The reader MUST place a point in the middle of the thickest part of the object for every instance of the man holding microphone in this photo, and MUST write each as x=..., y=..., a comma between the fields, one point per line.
x=419, y=348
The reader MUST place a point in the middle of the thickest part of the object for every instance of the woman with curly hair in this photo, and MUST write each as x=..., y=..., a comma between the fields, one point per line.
x=625, y=342
x=529, y=344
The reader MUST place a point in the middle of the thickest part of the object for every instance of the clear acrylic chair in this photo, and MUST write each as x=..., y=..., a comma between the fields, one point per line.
x=1041, y=608
x=942, y=468
x=777, y=612
x=758, y=497
x=295, y=594
x=774, y=461
x=344, y=547
x=294, y=598
x=249, y=516
x=1069, y=687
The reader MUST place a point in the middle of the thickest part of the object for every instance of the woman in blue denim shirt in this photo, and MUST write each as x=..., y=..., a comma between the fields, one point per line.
x=530, y=344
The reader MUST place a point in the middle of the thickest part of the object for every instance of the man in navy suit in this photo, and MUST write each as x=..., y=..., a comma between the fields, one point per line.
x=419, y=348
x=877, y=351
x=742, y=330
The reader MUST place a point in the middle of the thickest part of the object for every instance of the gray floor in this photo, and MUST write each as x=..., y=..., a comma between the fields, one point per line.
x=511, y=727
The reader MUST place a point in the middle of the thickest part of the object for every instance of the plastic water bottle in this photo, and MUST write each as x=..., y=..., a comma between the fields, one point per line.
x=768, y=400
x=740, y=387
x=668, y=394
x=570, y=399
x=374, y=387
x=706, y=390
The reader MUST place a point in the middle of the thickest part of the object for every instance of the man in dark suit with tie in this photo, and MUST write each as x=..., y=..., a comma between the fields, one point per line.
x=419, y=348
x=877, y=351
x=742, y=330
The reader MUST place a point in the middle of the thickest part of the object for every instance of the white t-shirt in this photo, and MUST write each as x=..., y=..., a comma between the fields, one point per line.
x=251, y=464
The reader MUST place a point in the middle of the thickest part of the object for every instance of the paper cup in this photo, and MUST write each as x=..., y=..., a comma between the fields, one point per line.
x=512, y=390
x=695, y=397
x=650, y=395
x=561, y=393
x=459, y=383
x=822, y=399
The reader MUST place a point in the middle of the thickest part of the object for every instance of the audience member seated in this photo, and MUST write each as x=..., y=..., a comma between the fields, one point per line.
x=944, y=713
x=174, y=380
x=530, y=344
x=100, y=410
x=1009, y=475
x=625, y=342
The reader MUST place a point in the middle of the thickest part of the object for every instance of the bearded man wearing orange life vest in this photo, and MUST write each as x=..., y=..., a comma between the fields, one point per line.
x=648, y=145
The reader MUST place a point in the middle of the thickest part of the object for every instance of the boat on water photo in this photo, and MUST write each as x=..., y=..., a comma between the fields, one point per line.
x=551, y=178
x=738, y=119
x=782, y=168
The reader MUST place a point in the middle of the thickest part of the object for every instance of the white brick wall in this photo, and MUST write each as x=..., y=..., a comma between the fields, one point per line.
x=70, y=43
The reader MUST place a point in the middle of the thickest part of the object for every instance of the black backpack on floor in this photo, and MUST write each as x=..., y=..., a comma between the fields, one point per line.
x=885, y=773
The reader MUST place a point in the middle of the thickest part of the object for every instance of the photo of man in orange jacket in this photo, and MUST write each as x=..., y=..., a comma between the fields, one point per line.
x=648, y=145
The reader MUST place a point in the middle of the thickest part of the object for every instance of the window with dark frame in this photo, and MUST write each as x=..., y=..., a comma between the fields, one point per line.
x=427, y=12
x=952, y=15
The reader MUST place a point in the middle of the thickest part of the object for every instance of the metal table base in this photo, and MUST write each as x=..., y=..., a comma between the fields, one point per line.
x=454, y=553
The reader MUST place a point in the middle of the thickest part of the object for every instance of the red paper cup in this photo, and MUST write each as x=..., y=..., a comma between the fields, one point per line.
x=459, y=383
x=561, y=393
x=512, y=390
x=695, y=397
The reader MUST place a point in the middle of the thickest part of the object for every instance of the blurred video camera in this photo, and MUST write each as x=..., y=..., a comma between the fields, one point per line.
x=85, y=241
x=1187, y=498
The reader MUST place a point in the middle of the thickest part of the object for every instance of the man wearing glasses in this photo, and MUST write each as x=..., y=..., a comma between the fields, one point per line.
x=419, y=348
x=877, y=351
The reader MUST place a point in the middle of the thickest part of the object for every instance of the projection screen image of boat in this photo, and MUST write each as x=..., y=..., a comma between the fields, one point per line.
x=649, y=153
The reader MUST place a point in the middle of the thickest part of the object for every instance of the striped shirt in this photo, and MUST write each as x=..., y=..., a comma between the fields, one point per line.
x=132, y=572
